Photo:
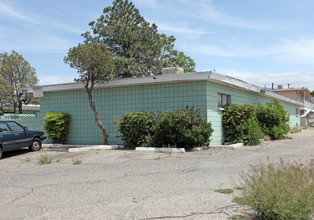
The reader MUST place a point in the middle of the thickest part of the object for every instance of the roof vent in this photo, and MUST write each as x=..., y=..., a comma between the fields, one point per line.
x=172, y=70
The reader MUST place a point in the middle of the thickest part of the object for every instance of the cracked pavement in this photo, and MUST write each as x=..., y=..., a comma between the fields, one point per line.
x=125, y=184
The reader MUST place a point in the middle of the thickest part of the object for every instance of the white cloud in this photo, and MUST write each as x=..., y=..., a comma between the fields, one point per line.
x=295, y=79
x=300, y=50
x=234, y=49
x=9, y=11
x=205, y=10
x=33, y=41
x=177, y=28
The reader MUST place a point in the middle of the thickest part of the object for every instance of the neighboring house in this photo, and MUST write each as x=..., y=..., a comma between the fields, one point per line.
x=208, y=91
x=302, y=95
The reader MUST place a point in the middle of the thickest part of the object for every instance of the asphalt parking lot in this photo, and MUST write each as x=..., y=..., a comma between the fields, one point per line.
x=124, y=184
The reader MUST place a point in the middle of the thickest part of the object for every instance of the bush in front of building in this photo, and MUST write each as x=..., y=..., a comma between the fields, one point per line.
x=273, y=119
x=241, y=125
x=134, y=128
x=181, y=128
x=283, y=191
x=57, y=126
x=185, y=128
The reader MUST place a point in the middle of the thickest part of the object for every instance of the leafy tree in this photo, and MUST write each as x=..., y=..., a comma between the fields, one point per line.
x=171, y=57
x=94, y=63
x=312, y=93
x=137, y=47
x=15, y=73
x=178, y=58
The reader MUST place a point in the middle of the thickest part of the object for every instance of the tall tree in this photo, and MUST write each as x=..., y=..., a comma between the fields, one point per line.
x=137, y=46
x=133, y=41
x=15, y=73
x=95, y=64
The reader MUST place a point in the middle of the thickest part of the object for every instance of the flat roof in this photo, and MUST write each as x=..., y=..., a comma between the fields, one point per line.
x=292, y=89
x=170, y=78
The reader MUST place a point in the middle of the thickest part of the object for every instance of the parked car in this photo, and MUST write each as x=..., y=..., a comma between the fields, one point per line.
x=14, y=136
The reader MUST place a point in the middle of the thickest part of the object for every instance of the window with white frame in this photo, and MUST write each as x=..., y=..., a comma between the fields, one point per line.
x=223, y=100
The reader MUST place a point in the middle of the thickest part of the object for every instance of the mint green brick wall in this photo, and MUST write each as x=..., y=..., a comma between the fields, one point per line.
x=238, y=97
x=113, y=102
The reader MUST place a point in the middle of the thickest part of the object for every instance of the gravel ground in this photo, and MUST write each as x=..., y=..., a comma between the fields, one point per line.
x=133, y=185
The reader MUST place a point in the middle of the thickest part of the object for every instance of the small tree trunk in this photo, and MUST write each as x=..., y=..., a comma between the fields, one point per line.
x=98, y=123
x=19, y=105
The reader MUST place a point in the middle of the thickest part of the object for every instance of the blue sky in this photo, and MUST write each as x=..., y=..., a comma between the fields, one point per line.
x=261, y=41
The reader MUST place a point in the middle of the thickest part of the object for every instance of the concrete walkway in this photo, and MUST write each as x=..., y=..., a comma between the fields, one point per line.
x=135, y=185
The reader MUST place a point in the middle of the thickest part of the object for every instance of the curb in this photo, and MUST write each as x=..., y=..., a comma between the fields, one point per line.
x=160, y=150
x=81, y=148
x=51, y=145
x=231, y=146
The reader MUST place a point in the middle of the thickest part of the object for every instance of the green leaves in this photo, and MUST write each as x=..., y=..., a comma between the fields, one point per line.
x=57, y=125
x=15, y=73
x=241, y=125
x=137, y=47
x=179, y=128
x=93, y=62
x=273, y=119
x=247, y=124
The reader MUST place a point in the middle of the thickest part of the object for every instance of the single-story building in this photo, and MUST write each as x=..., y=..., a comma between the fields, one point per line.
x=207, y=91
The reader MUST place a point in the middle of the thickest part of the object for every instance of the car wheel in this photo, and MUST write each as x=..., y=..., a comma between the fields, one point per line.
x=1, y=152
x=36, y=145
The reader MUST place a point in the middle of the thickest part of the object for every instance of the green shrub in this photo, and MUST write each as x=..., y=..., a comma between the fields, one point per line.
x=76, y=161
x=57, y=126
x=282, y=192
x=135, y=128
x=254, y=132
x=179, y=128
x=241, y=125
x=273, y=119
x=185, y=128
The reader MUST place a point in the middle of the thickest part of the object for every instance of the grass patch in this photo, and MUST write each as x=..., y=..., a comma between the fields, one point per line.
x=76, y=161
x=237, y=217
x=157, y=158
x=239, y=200
x=238, y=187
x=28, y=159
x=45, y=159
x=283, y=191
x=224, y=191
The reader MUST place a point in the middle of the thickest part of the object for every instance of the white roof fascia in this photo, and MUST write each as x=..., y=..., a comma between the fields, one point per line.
x=170, y=78
x=31, y=107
